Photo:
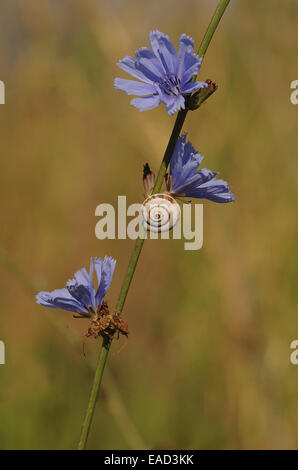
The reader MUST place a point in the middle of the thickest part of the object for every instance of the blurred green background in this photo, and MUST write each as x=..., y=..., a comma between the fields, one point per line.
x=207, y=363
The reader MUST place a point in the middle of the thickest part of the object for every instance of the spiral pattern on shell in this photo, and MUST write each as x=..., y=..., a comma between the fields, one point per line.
x=160, y=213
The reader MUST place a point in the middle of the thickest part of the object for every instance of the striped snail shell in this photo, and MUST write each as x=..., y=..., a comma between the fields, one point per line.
x=160, y=213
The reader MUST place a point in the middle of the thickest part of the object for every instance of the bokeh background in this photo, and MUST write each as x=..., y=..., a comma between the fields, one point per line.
x=207, y=363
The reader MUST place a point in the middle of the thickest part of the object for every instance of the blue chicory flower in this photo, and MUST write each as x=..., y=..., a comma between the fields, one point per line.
x=80, y=296
x=186, y=180
x=164, y=75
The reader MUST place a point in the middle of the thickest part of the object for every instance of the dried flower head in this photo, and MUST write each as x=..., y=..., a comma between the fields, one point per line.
x=106, y=324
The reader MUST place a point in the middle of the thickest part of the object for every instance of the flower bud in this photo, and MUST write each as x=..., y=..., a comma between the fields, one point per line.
x=148, y=179
x=198, y=98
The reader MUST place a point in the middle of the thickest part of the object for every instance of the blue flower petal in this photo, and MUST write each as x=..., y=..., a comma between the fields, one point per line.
x=132, y=87
x=148, y=67
x=164, y=50
x=177, y=102
x=150, y=63
x=184, y=163
x=60, y=298
x=193, y=86
x=98, y=269
x=215, y=190
x=192, y=182
x=192, y=65
x=186, y=45
x=128, y=64
x=82, y=277
x=91, y=287
x=146, y=102
x=107, y=271
x=187, y=181
x=168, y=74
x=80, y=293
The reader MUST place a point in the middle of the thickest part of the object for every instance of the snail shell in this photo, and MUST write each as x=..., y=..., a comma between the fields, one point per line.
x=160, y=213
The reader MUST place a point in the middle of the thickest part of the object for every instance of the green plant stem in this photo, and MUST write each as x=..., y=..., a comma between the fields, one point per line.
x=129, y=273
x=220, y=9
x=158, y=184
x=222, y=5
x=94, y=392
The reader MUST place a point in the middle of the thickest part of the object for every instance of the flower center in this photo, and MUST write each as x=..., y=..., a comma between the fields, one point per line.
x=170, y=85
